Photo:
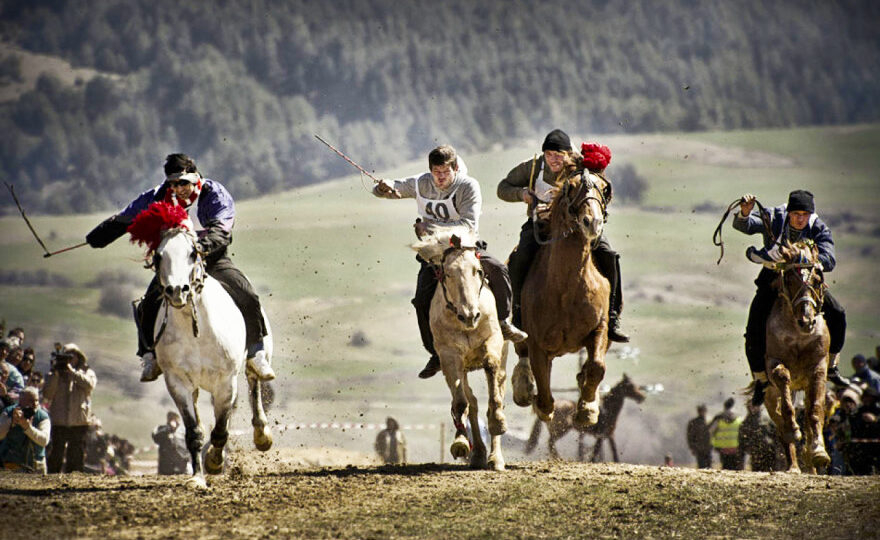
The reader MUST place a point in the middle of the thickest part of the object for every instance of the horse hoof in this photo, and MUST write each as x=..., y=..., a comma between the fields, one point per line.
x=523, y=385
x=214, y=460
x=460, y=448
x=262, y=439
x=197, y=483
x=496, y=463
x=821, y=458
x=587, y=414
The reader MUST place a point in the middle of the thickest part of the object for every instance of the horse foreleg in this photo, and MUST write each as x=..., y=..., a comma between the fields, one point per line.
x=262, y=435
x=523, y=382
x=541, y=367
x=597, y=451
x=186, y=405
x=495, y=379
x=613, y=449
x=814, y=415
x=479, y=456
x=589, y=377
x=223, y=402
x=789, y=431
x=460, y=447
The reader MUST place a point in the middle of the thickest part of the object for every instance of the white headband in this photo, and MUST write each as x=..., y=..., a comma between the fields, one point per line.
x=193, y=177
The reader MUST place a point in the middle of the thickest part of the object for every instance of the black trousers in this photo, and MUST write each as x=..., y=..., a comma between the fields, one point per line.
x=426, y=284
x=607, y=261
x=235, y=283
x=69, y=440
x=759, y=312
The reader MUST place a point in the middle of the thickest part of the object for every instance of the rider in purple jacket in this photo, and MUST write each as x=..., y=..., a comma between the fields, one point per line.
x=215, y=212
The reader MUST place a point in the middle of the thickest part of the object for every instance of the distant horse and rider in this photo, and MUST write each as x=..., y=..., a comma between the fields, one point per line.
x=200, y=335
x=609, y=412
x=467, y=337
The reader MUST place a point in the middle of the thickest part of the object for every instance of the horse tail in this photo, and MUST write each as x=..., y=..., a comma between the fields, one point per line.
x=533, y=437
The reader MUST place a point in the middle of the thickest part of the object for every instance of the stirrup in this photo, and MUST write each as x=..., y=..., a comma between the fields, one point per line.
x=151, y=369
x=259, y=366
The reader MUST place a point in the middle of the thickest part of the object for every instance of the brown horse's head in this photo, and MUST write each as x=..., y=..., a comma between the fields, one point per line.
x=800, y=283
x=580, y=206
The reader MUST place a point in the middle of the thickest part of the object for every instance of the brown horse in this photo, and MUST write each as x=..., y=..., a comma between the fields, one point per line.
x=797, y=354
x=565, y=300
x=609, y=411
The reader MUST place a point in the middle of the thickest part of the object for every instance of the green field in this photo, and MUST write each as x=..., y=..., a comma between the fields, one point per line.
x=330, y=260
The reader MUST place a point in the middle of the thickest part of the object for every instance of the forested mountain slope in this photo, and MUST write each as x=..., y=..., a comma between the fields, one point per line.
x=243, y=85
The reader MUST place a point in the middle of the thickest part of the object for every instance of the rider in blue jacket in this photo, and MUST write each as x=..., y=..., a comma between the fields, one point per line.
x=214, y=210
x=796, y=220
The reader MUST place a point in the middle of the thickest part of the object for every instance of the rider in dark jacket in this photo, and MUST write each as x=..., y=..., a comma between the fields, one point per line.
x=214, y=210
x=796, y=220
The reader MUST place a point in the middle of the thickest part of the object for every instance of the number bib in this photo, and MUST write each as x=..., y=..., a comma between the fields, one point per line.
x=436, y=210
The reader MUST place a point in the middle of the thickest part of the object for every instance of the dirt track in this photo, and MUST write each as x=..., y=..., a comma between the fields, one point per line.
x=267, y=496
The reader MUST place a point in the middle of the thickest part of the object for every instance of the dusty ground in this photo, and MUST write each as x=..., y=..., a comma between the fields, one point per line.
x=274, y=495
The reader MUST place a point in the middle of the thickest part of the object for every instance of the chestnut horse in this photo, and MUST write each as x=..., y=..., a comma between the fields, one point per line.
x=565, y=300
x=609, y=411
x=797, y=353
x=467, y=337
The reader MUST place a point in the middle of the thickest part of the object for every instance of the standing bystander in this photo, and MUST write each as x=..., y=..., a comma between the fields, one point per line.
x=69, y=391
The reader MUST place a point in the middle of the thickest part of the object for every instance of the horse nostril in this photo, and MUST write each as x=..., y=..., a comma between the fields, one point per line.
x=169, y=290
x=477, y=317
x=186, y=288
x=461, y=318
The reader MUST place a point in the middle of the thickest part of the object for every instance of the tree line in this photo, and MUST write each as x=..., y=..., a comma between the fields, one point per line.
x=242, y=85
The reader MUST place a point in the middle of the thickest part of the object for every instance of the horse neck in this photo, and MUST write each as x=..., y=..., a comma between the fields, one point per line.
x=612, y=403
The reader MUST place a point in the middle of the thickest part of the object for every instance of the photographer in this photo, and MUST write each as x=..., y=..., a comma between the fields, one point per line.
x=24, y=434
x=69, y=389
x=173, y=455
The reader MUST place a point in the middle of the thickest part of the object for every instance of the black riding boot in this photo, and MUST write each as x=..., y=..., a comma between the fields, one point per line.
x=426, y=285
x=608, y=263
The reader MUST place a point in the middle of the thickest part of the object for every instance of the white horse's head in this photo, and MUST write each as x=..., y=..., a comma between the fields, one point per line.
x=178, y=265
x=459, y=273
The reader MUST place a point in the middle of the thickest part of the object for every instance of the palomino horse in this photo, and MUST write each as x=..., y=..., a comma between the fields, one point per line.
x=467, y=337
x=797, y=353
x=565, y=301
x=609, y=411
x=200, y=336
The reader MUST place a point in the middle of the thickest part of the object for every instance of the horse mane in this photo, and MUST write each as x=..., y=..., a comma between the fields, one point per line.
x=148, y=226
x=803, y=252
x=432, y=246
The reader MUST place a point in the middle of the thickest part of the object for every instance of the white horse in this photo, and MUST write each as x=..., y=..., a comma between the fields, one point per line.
x=201, y=345
x=467, y=337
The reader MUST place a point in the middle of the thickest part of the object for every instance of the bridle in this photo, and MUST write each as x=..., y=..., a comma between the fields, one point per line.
x=808, y=293
x=440, y=274
x=582, y=195
x=196, y=283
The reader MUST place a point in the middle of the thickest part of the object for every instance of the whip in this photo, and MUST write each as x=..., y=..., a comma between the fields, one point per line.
x=34, y=232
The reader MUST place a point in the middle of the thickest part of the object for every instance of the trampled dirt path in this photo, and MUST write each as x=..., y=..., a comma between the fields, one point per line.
x=269, y=496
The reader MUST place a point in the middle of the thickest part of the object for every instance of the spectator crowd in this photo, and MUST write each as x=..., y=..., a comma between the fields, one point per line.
x=46, y=421
x=851, y=429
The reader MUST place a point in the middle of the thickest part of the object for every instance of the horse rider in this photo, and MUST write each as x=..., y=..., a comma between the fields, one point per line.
x=535, y=181
x=447, y=198
x=794, y=221
x=211, y=206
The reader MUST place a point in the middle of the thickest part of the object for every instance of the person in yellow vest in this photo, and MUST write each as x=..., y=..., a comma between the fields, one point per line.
x=725, y=437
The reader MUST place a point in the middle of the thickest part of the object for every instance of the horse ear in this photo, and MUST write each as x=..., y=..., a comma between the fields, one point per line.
x=455, y=241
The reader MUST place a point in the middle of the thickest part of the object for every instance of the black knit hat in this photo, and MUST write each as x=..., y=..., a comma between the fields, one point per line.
x=801, y=200
x=557, y=140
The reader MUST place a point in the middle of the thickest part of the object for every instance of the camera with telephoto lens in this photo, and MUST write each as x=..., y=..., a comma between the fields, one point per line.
x=28, y=412
x=61, y=360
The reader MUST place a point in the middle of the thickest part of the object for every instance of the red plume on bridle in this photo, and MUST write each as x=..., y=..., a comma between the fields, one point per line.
x=147, y=227
x=596, y=156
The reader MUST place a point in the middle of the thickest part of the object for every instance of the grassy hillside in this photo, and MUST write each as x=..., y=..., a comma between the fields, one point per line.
x=330, y=260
